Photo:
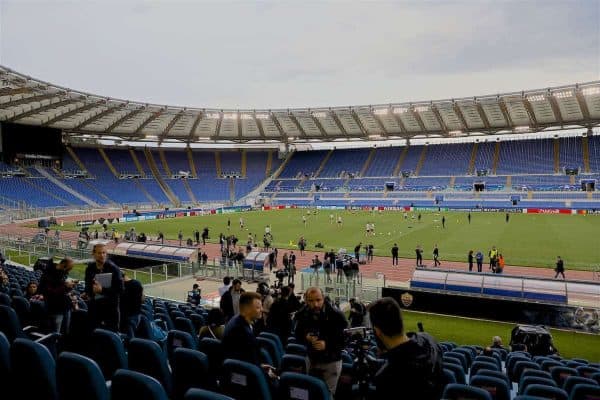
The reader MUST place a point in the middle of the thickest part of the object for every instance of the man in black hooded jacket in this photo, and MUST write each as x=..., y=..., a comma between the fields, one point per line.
x=413, y=367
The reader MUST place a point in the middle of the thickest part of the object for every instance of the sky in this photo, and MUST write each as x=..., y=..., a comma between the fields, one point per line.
x=285, y=54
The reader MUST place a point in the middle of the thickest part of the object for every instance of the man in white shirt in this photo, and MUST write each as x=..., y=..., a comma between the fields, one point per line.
x=226, y=286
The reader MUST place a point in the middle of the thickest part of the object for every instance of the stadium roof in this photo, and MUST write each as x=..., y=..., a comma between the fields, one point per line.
x=30, y=101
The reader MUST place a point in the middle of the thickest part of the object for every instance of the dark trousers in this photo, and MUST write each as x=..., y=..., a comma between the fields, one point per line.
x=470, y=265
x=394, y=260
x=419, y=260
x=559, y=272
x=479, y=266
x=104, y=314
x=436, y=261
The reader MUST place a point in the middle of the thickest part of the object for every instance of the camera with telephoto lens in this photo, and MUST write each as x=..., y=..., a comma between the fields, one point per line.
x=365, y=364
x=280, y=275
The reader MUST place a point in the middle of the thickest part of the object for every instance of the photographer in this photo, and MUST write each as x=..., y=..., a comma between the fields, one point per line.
x=320, y=327
x=357, y=313
x=413, y=368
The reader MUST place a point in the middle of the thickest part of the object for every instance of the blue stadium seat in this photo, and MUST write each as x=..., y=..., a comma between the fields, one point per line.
x=527, y=381
x=265, y=357
x=571, y=381
x=186, y=325
x=545, y=391
x=201, y=394
x=271, y=347
x=533, y=372
x=494, y=374
x=526, y=397
x=109, y=352
x=459, y=373
x=456, y=391
x=467, y=352
x=477, y=365
x=177, y=339
x=244, y=381
x=4, y=361
x=146, y=356
x=519, y=367
x=274, y=338
x=596, y=377
x=490, y=359
x=190, y=370
x=585, y=392
x=548, y=365
x=497, y=388
x=214, y=351
x=586, y=371
x=294, y=363
x=33, y=369
x=79, y=377
x=126, y=382
x=312, y=388
x=5, y=299
x=198, y=321
x=459, y=356
x=23, y=309
x=297, y=349
x=560, y=374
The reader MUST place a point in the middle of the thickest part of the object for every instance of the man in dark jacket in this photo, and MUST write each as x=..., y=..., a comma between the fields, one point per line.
x=103, y=301
x=413, y=367
x=54, y=287
x=279, y=320
x=231, y=299
x=320, y=327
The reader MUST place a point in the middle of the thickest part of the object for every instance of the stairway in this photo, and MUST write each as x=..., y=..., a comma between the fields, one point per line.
x=451, y=184
x=218, y=164
x=471, y=170
x=496, y=158
x=137, y=163
x=76, y=159
x=64, y=187
x=244, y=163
x=421, y=161
x=571, y=179
x=586, y=155
x=283, y=165
x=190, y=157
x=269, y=163
x=163, y=159
x=556, y=155
x=170, y=195
x=368, y=162
x=509, y=182
x=232, y=190
x=188, y=188
x=144, y=191
x=400, y=161
x=108, y=162
x=327, y=156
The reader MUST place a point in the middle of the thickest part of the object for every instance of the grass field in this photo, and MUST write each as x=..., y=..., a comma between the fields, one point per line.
x=528, y=239
x=469, y=331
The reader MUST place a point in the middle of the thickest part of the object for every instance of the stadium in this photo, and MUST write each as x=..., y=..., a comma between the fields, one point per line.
x=463, y=210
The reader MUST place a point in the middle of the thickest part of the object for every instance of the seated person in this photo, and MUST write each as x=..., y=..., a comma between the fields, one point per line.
x=215, y=325
x=194, y=295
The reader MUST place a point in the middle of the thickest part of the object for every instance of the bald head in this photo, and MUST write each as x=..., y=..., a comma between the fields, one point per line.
x=314, y=299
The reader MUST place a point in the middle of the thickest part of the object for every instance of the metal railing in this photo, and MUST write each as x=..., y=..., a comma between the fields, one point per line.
x=341, y=287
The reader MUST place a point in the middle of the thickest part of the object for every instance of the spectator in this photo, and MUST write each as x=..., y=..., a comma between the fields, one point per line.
x=294, y=301
x=31, y=291
x=103, y=300
x=230, y=301
x=4, y=282
x=497, y=343
x=204, y=258
x=320, y=327
x=194, y=295
x=413, y=367
x=239, y=342
x=357, y=313
x=55, y=287
x=226, y=286
x=131, y=304
x=215, y=325
x=479, y=258
x=470, y=259
x=279, y=320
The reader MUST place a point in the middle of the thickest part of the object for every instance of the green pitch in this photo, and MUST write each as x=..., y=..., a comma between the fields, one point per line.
x=527, y=239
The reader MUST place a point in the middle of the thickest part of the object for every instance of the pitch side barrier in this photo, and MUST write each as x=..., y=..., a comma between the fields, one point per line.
x=558, y=303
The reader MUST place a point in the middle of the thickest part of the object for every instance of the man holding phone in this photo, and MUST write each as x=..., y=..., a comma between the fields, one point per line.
x=320, y=327
x=103, y=288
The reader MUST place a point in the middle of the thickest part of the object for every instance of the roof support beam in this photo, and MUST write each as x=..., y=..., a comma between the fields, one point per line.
x=379, y=123
x=358, y=122
x=582, y=104
x=77, y=110
x=195, y=125
x=460, y=116
x=261, y=131
x=218, y=127
x=555, y=109
x=418, y=119
x=98, y=116
x=486, y=122
x=530, y=112
x=171, y=124
x=338, y=123
x=295, y=121
x=505, y=113
x=151, y=118
x=8, y=91
x=279, y=128
x=41, y=109
x=403, y=129
x=439, y=119
x=124, y=118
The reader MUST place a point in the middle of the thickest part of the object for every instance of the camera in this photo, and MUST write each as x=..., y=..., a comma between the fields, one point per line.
x=280, y=275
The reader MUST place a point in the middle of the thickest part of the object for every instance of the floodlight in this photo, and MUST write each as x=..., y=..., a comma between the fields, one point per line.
x=213, y=115
x=563, y=95
x=245, y=116
x=588, y=91
x=381, y=111
x=536, y=97
x=455, y=133
x=319, y=114
x=420, y=109
x=521, y=129
x=262, y=116
x=230, y=116
x=400, y=110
